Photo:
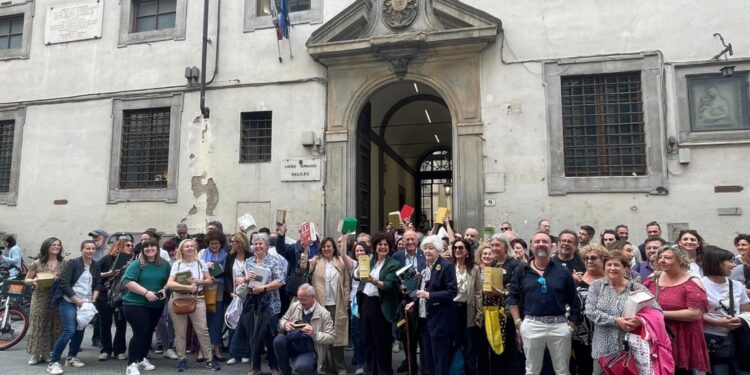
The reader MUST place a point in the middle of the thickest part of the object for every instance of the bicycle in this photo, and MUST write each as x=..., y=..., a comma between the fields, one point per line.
x=14, y=321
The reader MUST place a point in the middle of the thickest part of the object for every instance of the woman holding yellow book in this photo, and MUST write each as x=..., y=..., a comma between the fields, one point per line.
x=47, y=327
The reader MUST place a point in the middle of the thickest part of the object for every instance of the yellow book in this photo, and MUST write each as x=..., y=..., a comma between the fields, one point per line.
x=441, y=213
x=395, y=219
x=493, y=278
x=364, y=266
x=44, y=279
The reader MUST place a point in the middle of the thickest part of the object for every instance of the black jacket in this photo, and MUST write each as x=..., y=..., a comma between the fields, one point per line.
x=72, y=271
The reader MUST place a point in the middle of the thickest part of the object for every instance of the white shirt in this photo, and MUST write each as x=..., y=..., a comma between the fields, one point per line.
x=695, y=270
x=196, y=268
x=718, y=296
x=332, y=279
x=82, y=288
x=371, y=290
x=238, y=269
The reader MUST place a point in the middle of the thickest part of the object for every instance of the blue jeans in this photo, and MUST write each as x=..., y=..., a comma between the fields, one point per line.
x=239, y=346
x=70, y=333
x=215, y=323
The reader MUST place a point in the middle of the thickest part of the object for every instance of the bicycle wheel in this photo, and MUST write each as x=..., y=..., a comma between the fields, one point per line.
x=14, y=329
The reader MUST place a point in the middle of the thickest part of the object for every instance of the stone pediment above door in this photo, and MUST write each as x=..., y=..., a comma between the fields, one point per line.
x=387, y=28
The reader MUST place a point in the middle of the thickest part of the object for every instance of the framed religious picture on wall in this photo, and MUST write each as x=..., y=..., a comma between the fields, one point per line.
x=718, y=103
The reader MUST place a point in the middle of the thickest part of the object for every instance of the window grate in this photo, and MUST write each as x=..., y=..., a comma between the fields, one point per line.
x=144, y=158
x=11, y=32
x=603, y=129
x=154, y=15
x=255, y=137
x=7, y=131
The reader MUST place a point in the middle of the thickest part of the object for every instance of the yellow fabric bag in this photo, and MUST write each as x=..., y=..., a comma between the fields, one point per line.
x=494, y=323
x=209, y=294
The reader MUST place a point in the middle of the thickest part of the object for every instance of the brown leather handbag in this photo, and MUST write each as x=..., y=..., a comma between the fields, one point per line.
x=182, y=306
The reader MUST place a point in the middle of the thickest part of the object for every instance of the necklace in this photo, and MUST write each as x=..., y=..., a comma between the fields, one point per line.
x=533, y=264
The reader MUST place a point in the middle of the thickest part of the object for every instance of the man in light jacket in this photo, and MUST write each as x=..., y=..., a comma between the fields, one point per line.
x=305, y=330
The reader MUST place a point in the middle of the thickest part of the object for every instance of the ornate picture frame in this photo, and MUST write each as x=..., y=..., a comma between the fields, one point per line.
x=718, y=103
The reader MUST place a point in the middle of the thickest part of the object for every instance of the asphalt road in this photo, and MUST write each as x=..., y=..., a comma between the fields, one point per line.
x=14, y=361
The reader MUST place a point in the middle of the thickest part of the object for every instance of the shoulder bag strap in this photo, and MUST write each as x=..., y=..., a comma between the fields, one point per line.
x=656, y=289
x=731, y=296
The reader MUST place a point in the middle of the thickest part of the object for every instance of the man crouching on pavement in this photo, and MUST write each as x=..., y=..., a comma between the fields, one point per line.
x=304, y=331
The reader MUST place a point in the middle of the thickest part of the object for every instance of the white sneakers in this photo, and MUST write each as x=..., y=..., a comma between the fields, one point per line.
x=103, y=356
x=230, y=361
x=55, y=368
x=122, y=356
x=146, y=365
x=132, y=369
x=170, y=354
x=74, y=362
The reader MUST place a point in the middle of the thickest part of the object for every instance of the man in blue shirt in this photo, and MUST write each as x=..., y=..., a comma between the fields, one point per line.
x=540, y=292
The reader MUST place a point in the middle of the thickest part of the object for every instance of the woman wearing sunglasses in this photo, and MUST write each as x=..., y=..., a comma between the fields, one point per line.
x=593, y=257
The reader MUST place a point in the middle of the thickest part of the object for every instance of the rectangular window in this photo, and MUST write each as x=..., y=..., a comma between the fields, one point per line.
x=264, y=6
x=144, y=153
x=11, y=32
x=152, y=15
x=255, y=137
x=7, y=132
x=603, y=126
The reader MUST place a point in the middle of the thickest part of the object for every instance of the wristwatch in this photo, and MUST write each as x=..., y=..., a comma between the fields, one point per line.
x=518, y=322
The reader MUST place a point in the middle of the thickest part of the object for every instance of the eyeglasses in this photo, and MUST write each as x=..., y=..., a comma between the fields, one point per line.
x=505, y=228
x=129, y=245
x=459, y=247
x=543, y=282
x=591, y=258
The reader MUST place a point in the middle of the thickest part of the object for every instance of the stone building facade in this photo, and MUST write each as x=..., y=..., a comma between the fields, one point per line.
x=584, y=113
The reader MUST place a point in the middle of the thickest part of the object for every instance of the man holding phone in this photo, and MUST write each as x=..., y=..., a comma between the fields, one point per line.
x=304, y=330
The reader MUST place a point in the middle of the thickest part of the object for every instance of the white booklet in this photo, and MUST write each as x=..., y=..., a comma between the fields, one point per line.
x=262, y=275
x=636, y=302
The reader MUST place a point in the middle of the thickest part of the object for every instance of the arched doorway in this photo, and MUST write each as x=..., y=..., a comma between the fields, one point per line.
x=404, y=143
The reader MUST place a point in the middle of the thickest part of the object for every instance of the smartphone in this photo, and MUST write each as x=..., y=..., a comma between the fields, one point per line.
x=160, y=294
x=299, y=325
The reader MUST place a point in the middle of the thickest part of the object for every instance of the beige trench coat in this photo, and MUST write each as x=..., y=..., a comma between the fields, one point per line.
x=341, y=321
x=321, y=322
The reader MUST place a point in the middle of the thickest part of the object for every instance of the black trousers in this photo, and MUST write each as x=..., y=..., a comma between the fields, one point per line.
x=466, y=338
x=142, y=321
x=108, y=315
x=377, y=337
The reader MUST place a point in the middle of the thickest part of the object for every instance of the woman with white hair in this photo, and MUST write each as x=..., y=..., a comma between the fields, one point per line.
x=434, y=302
x=264, y=299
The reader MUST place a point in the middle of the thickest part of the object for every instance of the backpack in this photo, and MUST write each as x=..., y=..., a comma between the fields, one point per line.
x=116, y=289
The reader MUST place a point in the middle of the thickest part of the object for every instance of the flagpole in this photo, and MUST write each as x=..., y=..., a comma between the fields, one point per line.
x=278, y=49
x=291, y=57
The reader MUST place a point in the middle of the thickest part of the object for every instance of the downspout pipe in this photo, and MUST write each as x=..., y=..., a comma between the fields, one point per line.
x=205, y=111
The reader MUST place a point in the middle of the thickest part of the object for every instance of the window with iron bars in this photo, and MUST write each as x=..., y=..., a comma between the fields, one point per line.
x=255, y=137
x=144, y=157
x=11, y=32
x=152, y=15
x=7, y=130
x=603, y=129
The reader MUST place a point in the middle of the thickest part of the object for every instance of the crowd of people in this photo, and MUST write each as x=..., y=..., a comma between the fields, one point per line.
x=562, y=304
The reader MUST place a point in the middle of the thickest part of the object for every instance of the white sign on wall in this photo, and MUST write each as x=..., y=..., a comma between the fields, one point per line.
x=300, y=169
x=73, y=21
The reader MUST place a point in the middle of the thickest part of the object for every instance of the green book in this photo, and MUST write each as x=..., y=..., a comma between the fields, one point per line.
x=183, y=277
x=349, y=225
x=216, y=270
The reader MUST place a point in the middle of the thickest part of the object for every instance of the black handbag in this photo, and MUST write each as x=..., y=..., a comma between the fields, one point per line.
x=298, y=277
x=721, y=348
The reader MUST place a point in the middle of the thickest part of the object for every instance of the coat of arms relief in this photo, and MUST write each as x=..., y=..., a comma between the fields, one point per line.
x=399, y=14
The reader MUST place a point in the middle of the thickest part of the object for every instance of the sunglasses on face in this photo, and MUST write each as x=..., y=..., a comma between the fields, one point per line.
x=543, y=283
x=591, y=258
x=459, y=247
x=504, y=229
